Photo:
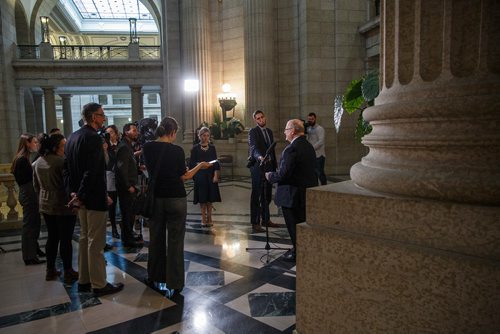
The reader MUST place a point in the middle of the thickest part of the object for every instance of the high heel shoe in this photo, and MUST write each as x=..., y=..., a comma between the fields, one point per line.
x=34, y=261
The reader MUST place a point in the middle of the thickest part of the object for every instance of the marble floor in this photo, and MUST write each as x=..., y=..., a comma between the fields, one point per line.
x=229, y=289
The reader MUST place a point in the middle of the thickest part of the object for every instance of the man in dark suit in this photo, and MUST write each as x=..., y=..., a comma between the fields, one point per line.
x=296, y=172
x=126, y=179
x=85, y=180
x=260, y=139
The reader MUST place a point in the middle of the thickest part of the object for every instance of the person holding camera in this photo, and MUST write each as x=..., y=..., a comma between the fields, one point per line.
x=85, y=182
x=126, y=179
x=316, y=136
x=260, y=140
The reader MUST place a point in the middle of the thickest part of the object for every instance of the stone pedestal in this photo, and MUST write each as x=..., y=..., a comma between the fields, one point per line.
x=373, y=263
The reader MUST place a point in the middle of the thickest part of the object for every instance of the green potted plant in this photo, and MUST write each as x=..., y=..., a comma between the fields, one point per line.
x=215, y=127
x=359, y=95
x=233, y=127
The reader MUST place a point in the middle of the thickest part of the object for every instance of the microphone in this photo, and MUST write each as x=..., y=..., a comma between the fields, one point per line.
x=270, y=148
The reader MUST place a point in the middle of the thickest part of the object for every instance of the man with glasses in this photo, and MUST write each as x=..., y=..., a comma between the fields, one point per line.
x=295, y=173
x=85, y=181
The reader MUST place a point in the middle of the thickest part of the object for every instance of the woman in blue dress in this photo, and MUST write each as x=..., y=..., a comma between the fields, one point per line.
x=206, y=181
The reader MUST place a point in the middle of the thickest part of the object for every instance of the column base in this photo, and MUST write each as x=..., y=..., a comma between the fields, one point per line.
x=373, y=263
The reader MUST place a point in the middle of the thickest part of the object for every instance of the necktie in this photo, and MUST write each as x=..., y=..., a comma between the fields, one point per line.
x=266, y=137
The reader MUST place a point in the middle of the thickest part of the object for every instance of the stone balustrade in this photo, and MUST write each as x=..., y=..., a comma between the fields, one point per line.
x=8, y=200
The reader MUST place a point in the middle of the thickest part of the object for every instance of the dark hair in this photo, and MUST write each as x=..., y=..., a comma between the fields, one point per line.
x=50, y=144
x=167, y=126
x=114, y=128
x=22, y=149
x=54, y=130
x=127, y=127
x=88, y=110
x=312, y=114
x=257, y=112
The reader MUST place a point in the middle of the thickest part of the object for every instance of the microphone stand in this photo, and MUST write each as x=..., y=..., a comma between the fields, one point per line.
x=263, y=201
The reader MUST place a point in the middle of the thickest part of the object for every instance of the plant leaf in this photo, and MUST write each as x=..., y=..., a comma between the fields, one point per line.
x=369, y=87
x=353, y=97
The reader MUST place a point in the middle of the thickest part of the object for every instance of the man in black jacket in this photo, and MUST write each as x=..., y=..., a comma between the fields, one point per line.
x=260, y=139
x=296, y=172
x=85, y=180
x=126, y=180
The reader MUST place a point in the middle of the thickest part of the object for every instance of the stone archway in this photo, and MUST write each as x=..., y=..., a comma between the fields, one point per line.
x=22, y=28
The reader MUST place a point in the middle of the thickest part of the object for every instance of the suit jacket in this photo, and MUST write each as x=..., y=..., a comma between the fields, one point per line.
x=295, y=173
x=85, y=168
x=257, y=146
x=126, y=166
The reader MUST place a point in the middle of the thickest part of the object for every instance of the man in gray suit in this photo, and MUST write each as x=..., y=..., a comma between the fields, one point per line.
x=296, y=172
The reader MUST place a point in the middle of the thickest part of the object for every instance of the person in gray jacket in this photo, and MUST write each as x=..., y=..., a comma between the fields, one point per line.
x=52, y=198
x=126, y=179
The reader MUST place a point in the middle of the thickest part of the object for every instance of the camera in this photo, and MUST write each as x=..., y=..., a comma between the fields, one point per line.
x=147, y=128
x=104, y=135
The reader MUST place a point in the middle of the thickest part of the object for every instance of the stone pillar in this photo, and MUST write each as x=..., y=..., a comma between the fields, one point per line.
x=50, y=108
x=67, y=115
x=38, y=104
x=133, y=51
x=421, y=253
x=137, y=111
x=436, y=121
x=259, y=61
x=196, y=63
x=46, y=52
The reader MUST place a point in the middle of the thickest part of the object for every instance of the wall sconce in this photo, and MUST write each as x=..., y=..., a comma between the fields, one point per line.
x=227, y=101
x=62, y=47
x=133, y=30
x=44, y=20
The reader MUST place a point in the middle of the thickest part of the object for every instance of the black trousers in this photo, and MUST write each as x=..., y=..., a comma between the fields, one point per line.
x=294, y=216
x=260, y=198
x=31, y=221
x=128, y=216
x=60, y=234
x=112, y=209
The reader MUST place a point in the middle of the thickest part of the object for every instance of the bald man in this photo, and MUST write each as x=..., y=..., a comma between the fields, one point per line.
x=296, y=173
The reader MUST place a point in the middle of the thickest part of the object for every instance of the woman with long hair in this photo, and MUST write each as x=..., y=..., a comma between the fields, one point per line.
x=166, y=164
x=23, y=172
x=59, y=219
x=206, y=182
x=114, y=139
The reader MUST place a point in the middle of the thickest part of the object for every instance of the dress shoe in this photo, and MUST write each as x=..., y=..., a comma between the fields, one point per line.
x=108, y=289
x=85, y=287
x=256, y=228
x=52, y=274
x=108, y=247
x=115, y=235
x=70, y=276
x=271, y=224
x=34, y=261
x=40, y=253
x=290, y=256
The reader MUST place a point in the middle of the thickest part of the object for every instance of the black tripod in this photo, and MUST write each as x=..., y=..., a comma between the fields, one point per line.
x=263, y=200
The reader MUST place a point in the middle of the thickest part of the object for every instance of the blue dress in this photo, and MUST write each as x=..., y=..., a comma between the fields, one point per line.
x=204, y=189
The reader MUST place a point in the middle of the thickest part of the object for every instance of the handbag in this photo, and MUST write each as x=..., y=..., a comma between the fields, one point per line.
x=145, y=201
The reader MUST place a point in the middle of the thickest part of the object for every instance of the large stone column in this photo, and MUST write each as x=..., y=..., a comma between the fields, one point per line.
x=50, y=108
x=196, y=63
x=421, y=252
x=436, y=121
x=137, y=110
x=38, y=104
x=259, y=60
x=67, y=115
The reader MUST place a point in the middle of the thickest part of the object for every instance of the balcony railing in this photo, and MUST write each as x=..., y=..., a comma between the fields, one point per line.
x=88, y=52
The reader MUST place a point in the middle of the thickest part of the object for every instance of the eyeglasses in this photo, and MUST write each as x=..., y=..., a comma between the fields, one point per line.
x=288, y=129
x=98, y=114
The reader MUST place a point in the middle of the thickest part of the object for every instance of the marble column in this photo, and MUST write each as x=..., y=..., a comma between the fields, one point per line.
x=259, y=61
x=416, y=248
x=137, y=111
x=436, y=121
x=195, y=32
x=67, y=115
x=38, y=105
x=50, y=108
